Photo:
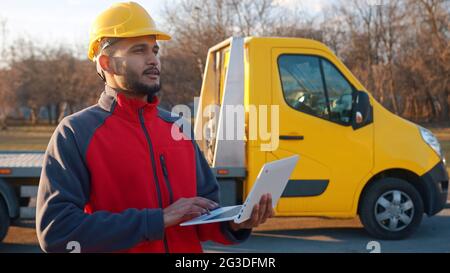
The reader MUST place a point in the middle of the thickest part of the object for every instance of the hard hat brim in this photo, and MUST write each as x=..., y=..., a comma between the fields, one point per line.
x=162, y=36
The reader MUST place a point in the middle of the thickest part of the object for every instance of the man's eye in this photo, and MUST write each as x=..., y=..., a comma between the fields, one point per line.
x=156, y=52
x=140, y=50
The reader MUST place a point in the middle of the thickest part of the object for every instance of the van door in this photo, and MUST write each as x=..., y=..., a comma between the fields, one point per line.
x=315, y=100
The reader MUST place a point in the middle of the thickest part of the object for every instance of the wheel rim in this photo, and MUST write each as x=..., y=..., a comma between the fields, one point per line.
x=394, y=210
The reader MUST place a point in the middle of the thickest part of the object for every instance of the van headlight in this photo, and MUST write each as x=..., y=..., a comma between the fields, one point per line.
x=431, y=140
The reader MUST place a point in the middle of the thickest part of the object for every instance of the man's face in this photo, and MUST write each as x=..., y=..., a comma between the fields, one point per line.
x=135, y=65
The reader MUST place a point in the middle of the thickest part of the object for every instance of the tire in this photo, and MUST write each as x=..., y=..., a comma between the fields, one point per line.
x=391, y=209
x=4, y=220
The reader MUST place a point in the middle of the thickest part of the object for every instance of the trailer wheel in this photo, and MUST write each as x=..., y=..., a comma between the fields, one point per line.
x=4, y=220
x=391, y=209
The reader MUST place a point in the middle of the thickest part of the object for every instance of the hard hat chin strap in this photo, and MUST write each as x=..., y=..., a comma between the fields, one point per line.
x=102, y=76
x=99, y=69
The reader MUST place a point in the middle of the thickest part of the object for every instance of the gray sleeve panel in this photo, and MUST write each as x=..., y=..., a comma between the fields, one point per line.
x=64, y=189
x=207, y=185
x=235, y=237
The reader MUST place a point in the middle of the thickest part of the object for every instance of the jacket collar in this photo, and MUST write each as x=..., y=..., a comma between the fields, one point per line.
x=130, y=109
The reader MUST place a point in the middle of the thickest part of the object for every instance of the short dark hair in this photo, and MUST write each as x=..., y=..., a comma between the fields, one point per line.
x=105, y=45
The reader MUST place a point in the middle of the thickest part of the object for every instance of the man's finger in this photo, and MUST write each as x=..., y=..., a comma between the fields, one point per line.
x=205, y=203
x=255, y=215
x=269, y=209
x=189, y=216
x=267, y=215
x=262, y=207
x=194, y=208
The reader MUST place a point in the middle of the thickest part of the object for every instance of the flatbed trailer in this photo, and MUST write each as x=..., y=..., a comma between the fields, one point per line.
x=19, y=180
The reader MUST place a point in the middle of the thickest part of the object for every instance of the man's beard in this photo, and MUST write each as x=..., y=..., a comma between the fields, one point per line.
x=134, y=85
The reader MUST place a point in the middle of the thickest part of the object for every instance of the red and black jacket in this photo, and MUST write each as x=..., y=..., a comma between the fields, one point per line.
x=108, y=173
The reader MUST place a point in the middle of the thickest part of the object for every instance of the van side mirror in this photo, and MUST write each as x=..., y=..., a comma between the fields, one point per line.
x=362, y=110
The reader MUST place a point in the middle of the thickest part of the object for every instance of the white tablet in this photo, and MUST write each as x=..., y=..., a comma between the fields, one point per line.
x=272, y=179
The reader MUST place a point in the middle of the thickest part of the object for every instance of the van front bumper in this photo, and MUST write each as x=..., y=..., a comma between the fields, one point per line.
x=436, y=188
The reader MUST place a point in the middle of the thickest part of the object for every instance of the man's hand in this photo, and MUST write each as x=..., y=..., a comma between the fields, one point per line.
x=185, y=209
x=260, y=213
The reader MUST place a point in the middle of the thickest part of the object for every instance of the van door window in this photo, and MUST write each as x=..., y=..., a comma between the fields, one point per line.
x=339, y=93
x=302, y=84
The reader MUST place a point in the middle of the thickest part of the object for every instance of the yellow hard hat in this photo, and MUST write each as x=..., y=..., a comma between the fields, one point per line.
x=122, y=20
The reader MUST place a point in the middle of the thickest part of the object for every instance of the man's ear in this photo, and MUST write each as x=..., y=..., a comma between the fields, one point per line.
x=104, y=63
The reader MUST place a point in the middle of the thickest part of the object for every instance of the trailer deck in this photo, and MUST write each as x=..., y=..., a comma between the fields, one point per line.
x=21, y=163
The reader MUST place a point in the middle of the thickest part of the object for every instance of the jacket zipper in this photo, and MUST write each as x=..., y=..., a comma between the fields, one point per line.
x=166, y=177
x=152, y=159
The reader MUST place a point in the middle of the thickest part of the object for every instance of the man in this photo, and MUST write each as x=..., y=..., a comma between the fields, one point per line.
x=114, y=178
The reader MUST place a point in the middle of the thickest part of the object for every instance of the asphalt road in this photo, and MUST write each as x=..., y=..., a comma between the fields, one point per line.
x=348, y=236
x=299, y=235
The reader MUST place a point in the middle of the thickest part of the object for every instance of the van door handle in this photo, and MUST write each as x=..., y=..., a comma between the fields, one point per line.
x=284, y=137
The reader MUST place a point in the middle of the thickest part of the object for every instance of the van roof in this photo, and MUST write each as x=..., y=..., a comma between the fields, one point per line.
x=287, y=42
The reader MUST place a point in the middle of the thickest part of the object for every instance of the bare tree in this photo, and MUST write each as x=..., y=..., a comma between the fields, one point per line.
x=52, y=78
x=199, y=24
x=7, y=99
x=399, y=49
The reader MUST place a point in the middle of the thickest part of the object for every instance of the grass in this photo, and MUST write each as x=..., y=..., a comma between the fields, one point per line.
x=26, y=138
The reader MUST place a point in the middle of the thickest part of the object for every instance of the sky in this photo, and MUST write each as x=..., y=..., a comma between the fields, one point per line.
x=69, y=20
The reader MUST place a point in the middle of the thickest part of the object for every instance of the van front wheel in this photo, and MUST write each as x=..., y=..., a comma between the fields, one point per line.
x=391, y=209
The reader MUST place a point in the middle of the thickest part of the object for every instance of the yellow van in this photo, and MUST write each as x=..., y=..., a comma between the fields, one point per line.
x=356, y=157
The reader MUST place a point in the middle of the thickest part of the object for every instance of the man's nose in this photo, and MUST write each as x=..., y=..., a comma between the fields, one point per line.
x=152, y=59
